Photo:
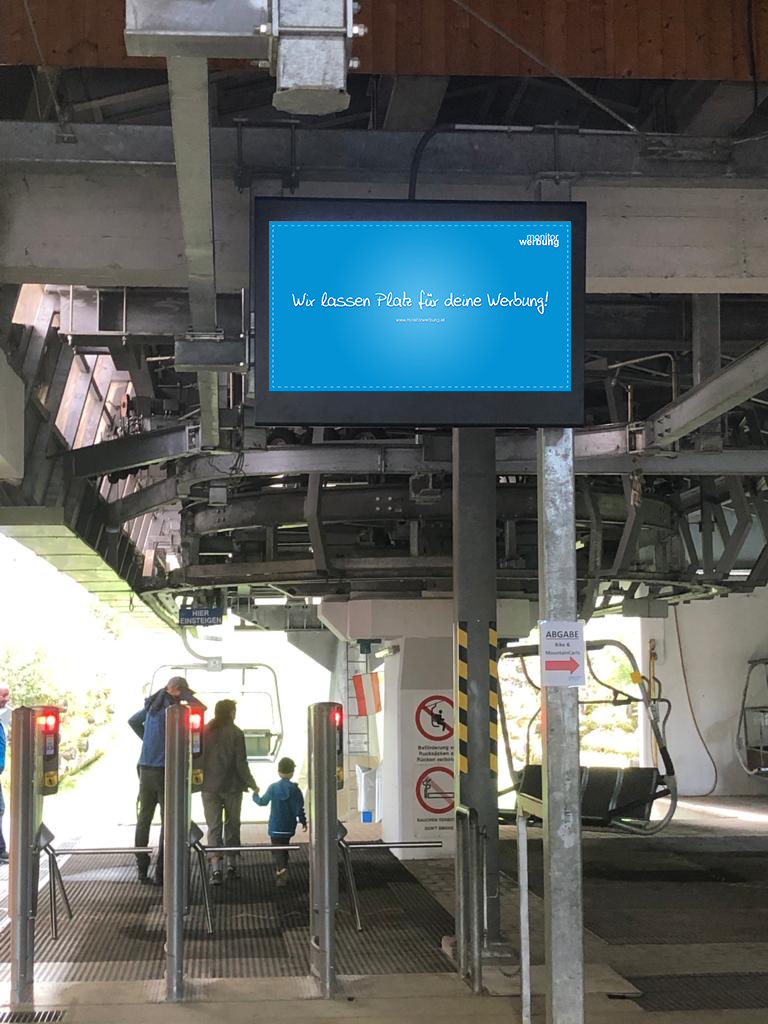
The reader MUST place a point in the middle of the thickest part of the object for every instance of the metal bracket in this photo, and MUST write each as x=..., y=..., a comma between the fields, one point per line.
x=65, y=134
x=424, y=488
x=216, y=335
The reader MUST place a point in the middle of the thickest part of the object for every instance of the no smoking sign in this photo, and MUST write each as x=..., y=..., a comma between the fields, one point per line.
x=434, y=790
x=434, y=718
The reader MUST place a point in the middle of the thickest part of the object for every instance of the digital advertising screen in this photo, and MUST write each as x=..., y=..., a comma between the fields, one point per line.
x=376, y=312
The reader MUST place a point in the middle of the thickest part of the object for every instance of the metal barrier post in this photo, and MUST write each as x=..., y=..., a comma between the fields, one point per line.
x=476, y=908
x=176, y=822
x=324, y=725
x=525, y=937
x=351, y=883
x=461, y=892
x=24, y=868
x=470, y=902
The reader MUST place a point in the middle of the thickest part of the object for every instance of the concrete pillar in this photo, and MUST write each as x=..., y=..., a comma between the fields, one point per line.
x=474, y=598
x=417, y=767
x=419, y=673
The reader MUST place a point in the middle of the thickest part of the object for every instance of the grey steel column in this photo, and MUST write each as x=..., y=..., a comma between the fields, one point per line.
x=560, y=733
x=323, y=853
x=175, y=854
x=24, y=866
x=474, y=602
x=707, y=360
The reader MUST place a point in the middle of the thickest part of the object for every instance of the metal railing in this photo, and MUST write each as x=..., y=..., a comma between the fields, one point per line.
x=183, y=842
x=469, y=897
x=527, y=807
x=202, y=853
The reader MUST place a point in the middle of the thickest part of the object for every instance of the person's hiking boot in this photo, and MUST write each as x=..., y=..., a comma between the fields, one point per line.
x=233, y=873
x=281, y=877
x=142, y=876
x=157, y=880
x=216, y=877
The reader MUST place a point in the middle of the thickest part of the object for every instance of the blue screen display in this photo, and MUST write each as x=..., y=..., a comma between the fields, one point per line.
x=419, y=306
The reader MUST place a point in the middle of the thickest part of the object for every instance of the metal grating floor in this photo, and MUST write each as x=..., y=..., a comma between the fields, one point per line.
x=702, y=992
x=261, y=931
x=667, y=890
x=32, y=1016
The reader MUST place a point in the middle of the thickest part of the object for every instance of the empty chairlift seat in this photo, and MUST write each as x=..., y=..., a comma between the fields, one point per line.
x=608, y=795
x=259, y=744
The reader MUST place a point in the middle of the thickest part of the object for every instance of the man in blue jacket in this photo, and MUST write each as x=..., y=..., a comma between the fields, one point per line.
x=149, y=726
x=287, y=808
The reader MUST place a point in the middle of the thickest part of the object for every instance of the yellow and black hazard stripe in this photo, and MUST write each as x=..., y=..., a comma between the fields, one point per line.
x=462, y=661
x=493, y=696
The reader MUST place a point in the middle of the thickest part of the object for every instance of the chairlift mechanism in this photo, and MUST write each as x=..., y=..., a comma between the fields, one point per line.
x=262, y=743
x=618, y=797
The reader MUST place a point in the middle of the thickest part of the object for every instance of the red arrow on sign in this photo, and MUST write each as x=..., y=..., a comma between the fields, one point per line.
x=562, y=666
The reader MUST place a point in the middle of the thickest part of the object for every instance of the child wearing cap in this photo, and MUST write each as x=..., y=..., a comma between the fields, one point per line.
x=287, y=809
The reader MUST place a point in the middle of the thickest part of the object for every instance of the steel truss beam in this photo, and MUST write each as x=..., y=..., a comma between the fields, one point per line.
x=645, y=229
x=141, y=501
x=131, y=452
x=382, y=504
x=394, y=458
x=398, y=574
x=741, y=380
x=513, y=458
x=350, y=155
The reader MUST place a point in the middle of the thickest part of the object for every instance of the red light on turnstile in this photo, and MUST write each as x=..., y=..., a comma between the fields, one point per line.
x=48, y=722
x=336, y=717
x=195, y=721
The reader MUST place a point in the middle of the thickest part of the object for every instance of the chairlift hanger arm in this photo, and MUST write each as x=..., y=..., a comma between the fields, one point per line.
x=651, y=704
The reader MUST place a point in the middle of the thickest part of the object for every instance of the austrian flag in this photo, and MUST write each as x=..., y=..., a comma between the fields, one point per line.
x=368, y=693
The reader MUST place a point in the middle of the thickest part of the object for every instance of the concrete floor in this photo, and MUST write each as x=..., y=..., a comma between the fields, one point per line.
x=410, y=999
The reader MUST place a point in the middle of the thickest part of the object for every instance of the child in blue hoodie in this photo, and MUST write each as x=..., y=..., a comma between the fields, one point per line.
x=287, y=808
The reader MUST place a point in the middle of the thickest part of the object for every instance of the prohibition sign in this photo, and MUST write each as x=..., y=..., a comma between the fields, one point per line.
x=434, y=718
x=434, y=790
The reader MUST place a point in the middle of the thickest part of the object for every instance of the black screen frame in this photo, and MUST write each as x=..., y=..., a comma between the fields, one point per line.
x=412, y=408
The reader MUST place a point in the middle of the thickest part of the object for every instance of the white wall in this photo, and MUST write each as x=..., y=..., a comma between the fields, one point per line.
x=718, y=639
x=422, y=668
x=383, y=619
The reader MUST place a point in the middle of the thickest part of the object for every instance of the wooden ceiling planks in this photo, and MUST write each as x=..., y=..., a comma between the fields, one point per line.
x=72, y=33
x=649, y=35
x=673, y=39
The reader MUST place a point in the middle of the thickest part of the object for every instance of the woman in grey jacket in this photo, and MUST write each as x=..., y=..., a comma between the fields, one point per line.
x=226, y=776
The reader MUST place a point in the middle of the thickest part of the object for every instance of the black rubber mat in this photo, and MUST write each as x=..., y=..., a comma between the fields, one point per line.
x=702, y=992
x=667, y=889
x=118, y=930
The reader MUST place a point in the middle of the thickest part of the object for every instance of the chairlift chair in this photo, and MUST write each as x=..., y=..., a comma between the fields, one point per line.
x=752, y=726
x=613, y=797
x=213, y=680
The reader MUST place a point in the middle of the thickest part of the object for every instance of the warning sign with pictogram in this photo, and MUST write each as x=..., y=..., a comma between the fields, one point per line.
x=434, y=790
x=434, y=718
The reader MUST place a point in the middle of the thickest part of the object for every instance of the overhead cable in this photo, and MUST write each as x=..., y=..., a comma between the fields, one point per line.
x=43, y=66
x=695, y=720
x=547, y=67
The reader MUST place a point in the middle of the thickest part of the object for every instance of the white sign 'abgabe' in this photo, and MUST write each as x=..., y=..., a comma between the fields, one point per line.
x=561, y=653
